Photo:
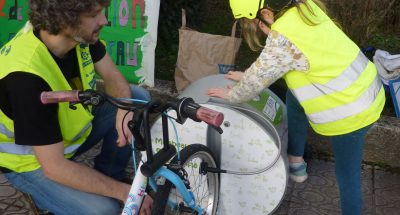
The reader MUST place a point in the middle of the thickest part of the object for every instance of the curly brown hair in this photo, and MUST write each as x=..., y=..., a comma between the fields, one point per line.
x=53, y=15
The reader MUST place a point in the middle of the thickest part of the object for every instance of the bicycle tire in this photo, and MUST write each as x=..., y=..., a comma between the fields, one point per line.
x=166, y=191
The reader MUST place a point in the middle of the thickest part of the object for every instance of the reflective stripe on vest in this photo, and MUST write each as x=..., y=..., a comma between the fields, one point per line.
x=344, y=80
x=9, y=134
x=4, y=130
x=27, y=150
x=12, y=148
x=82, y=132
x=358, y=106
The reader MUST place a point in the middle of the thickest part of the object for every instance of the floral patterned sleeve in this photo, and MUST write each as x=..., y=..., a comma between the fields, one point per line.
x=278, y=57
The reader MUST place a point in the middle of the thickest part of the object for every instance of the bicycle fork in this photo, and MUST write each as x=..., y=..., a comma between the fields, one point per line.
x=186, y=194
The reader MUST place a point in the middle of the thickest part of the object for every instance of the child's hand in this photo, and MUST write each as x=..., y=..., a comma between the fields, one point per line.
x=219, y=92
x=234, y=75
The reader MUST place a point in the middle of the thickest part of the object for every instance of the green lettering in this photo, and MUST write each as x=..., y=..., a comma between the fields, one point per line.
x=158, y=141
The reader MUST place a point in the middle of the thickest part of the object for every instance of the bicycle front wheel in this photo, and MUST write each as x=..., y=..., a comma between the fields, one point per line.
x=205, y=188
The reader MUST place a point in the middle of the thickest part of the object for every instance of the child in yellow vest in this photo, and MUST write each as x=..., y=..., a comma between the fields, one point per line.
x=338, y=93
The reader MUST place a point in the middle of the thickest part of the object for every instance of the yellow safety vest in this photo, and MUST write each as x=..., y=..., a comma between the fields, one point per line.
x=27, y=53
x=341, y=91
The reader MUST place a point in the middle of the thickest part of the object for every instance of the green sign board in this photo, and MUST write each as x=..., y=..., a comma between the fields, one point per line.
x=124, y=34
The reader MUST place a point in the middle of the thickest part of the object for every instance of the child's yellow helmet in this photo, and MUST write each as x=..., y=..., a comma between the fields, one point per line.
x=249, y=8
x=245, y=8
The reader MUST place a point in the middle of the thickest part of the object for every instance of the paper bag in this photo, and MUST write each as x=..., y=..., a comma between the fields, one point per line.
x=202, y=54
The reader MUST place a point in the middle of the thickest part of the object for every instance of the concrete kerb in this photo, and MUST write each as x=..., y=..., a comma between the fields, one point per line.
x=382, y=145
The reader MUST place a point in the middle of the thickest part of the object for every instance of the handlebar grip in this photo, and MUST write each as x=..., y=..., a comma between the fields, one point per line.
x=209, y=116
x=59, y=96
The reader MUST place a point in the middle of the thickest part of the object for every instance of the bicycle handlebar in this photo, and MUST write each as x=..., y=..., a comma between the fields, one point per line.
x=49, y=97
x=184, y=107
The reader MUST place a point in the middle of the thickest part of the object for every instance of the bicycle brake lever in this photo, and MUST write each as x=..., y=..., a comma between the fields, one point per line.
x=72, y=105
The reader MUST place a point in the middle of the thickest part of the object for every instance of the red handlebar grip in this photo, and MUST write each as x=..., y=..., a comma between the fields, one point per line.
x=59, y=96
x=209, y=116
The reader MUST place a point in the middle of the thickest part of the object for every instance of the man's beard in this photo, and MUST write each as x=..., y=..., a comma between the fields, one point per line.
x=78, y=37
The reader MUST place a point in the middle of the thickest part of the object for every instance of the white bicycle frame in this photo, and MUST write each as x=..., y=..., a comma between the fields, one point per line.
x=137, y=191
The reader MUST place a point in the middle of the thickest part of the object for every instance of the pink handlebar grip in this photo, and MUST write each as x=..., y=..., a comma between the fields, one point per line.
x=59, y=96
x=209, y=116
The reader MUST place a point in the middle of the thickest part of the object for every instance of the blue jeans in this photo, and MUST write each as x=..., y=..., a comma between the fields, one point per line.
x=347, y=149
x=112, y=161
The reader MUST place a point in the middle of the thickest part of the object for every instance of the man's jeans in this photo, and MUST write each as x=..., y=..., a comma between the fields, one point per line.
x=112, y=161
x=347, y=149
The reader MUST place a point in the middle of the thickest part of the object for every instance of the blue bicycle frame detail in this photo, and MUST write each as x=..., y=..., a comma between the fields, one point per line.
x=187, y=195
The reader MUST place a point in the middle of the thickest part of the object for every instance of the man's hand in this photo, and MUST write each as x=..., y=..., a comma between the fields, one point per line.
x=146, y=206
x=124, y=134
x=234, y=75
x=117, y=86
x=219, y=92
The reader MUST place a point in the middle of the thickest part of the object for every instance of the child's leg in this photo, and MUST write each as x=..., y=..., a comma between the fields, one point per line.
x=297, y=128
x=348, y=151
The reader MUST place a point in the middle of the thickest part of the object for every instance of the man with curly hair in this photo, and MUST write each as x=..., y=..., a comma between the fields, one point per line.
x=59, y=49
